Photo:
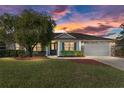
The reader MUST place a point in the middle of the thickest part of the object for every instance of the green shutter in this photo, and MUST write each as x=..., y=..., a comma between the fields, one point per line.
x=74, y=45
x=62, y=45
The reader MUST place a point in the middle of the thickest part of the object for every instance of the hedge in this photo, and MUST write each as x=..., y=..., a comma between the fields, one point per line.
x=72, y=53
x=11, y=53
x=119, y=52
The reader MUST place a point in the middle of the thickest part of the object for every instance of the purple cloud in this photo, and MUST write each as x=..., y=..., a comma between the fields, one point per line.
x=100, y=30
x=15, y=9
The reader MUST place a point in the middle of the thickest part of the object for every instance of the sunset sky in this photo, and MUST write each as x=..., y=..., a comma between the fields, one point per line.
x=94, y=20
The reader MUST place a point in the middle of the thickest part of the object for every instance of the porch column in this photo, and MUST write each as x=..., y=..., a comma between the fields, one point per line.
x=79, y=45
x=49, y=49
x=58, y=49
x=46, y=50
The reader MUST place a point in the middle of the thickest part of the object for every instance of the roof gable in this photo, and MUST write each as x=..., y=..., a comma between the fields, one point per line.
x=64, y=36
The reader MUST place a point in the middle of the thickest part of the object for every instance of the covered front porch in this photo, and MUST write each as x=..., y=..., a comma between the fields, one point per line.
x=55, y=47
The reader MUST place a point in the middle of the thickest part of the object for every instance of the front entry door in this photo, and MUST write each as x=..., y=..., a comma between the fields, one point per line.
x=53, y=48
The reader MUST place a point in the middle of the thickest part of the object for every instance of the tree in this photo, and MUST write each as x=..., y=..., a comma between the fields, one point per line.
x=120, y=38
x=46, y=33
x=7, y=28
x=26, y=32
x=2, y=35
x=120, y=42
x=33, y=27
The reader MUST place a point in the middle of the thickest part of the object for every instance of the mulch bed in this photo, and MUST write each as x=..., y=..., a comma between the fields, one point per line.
x=87, y=61
x=28, y=58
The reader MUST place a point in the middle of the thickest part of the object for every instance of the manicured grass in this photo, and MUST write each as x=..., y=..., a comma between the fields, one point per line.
x=57, y=73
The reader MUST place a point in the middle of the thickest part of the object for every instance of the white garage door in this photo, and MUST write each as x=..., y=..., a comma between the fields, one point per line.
x=96, y=49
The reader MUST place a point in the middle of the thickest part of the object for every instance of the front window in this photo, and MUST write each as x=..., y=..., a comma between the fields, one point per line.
x=69, y=46
x=53, y=46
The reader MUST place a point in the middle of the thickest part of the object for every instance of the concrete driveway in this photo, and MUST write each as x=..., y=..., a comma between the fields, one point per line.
x=115, y=62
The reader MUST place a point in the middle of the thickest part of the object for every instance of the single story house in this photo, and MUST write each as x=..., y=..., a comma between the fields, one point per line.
x=87, y=44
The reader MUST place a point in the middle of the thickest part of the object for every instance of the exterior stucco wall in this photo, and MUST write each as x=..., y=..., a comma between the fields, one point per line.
x=11, y=46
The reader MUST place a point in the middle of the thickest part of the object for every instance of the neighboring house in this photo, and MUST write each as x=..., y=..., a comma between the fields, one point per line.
x=88, y=44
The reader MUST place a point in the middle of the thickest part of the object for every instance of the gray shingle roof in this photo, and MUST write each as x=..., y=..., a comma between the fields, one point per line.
x=78, y=36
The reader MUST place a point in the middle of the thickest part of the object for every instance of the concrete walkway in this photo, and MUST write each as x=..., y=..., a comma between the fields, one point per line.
x=115, y=62
x=55, y=57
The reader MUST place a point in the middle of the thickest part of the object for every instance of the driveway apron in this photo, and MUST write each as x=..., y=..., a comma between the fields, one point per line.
x=115, y=62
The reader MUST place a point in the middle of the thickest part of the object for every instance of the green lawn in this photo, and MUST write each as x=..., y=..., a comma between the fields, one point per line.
x=57, y=73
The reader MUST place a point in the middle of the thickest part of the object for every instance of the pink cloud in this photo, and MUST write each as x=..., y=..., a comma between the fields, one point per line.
x=59, y=11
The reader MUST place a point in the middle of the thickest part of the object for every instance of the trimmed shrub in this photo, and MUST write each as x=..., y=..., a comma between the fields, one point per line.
x=119, y=51
x=35, y=53
x=20, y=53
x=71, y=53
x=11, y=53
x=39, y=53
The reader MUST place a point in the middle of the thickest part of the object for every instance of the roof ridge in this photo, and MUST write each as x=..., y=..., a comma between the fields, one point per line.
x=85, y=36
x=90, y=35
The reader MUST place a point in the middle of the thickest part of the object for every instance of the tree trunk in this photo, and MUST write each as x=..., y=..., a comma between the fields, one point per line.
x=43, y=50
x=30, y=51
